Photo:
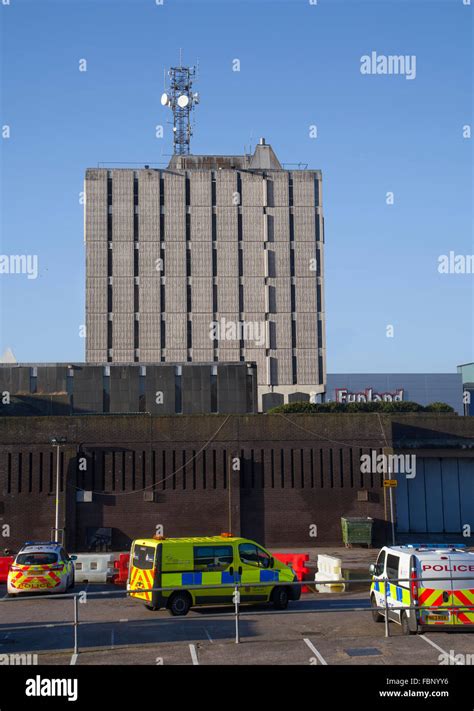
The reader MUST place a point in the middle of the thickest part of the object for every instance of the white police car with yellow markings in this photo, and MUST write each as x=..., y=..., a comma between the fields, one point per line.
x=41, y=567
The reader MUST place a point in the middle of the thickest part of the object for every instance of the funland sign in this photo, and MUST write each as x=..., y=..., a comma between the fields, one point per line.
x=368, y=395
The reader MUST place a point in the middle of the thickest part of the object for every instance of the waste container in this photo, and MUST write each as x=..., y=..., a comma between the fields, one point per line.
x=357, y=530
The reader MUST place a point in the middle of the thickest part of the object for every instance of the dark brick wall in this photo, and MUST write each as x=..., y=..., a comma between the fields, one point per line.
x=296, y=473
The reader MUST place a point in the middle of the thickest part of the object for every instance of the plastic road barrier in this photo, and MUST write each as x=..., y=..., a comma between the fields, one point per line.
x=329, y=568
x=94, y=567
x=5, y=563
x=297, y=562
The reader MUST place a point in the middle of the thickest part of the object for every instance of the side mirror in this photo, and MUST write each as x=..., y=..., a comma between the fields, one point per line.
x=373, y=569
x=73, y=557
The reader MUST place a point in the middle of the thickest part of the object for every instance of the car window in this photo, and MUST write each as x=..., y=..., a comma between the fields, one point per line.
x=212, y=558
x=36, y=558
x=263, y=558
x=253, y=555
x=381, y=561
x=393, y=562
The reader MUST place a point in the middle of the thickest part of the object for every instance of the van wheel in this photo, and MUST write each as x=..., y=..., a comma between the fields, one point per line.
x=179, y=604
x=376, y=616
x=280, y=598
x=405, y=622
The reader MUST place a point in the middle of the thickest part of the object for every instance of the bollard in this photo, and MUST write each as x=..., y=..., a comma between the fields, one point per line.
x=236, y=601
x=76, y=623
x=385, y=594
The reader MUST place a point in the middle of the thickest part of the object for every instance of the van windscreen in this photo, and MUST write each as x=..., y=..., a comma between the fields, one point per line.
x=144, y=557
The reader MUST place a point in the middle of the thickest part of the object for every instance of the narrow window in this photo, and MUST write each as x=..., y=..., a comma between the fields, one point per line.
x=178, y=407
x=214, y=406
x=163, y=333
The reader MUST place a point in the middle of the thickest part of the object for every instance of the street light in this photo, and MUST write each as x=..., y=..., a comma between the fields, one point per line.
x=56, y=442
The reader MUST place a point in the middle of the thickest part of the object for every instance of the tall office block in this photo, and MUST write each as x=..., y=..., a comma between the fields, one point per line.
x=216, y=258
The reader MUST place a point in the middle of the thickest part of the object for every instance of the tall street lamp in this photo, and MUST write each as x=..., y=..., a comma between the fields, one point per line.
x=56, y=442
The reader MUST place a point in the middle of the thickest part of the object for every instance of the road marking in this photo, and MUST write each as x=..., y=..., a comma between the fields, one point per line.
x=208, y=636
x=124, y=620
x=73, y=659
x=315, y=651
x=194, y=657
x=429, y=641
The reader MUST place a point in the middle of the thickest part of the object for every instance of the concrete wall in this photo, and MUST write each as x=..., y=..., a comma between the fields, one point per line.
x=86, y=388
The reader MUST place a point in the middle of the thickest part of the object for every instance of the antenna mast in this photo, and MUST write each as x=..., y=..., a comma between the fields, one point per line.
x=181, y=99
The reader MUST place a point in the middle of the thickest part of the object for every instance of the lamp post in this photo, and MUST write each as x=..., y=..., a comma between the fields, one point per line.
x=56, y=442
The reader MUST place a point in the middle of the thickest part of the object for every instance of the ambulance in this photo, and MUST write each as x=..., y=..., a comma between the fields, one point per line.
x=41, y=567
x=182, y=564
x=437, y=580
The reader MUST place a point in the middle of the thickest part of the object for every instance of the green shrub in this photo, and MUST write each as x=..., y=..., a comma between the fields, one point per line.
x=377, y=406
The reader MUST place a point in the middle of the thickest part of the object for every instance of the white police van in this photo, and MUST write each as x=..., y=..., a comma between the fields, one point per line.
x=437, y=580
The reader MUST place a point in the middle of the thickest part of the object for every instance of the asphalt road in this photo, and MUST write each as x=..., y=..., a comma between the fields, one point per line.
x=318, y=629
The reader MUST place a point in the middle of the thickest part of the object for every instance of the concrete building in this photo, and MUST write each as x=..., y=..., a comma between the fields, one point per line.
x=214, y=259
x=160, y=389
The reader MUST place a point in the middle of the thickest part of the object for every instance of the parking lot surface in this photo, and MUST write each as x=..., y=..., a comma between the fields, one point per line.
x=318, y=630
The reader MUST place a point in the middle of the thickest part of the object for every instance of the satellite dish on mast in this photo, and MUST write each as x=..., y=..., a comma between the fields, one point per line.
x=183, y=101
x=164, y=99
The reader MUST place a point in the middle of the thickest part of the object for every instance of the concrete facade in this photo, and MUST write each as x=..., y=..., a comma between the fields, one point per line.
x=162, y=389
x=216, y=258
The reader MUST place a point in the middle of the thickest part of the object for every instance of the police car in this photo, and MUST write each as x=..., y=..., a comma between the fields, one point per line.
x=41, y=567
x=436, y=580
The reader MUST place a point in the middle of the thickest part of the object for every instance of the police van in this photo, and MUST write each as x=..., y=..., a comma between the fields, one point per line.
x=436, y=579
x=181, y=564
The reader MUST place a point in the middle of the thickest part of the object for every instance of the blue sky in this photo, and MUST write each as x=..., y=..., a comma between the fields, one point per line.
x=300, y=65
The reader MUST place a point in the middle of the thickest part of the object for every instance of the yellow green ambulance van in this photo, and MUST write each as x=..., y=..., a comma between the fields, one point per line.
x=182, y=564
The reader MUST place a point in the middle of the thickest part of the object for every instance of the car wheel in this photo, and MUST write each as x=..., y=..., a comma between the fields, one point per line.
x=376, y=615
x=280, y=598
x=73, y=582
x=179, y=604
x=405, y=622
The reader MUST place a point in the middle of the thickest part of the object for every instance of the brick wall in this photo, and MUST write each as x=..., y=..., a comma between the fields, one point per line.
x=295, y=473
